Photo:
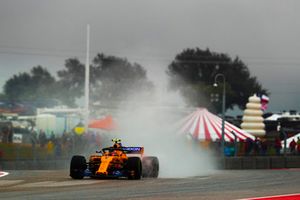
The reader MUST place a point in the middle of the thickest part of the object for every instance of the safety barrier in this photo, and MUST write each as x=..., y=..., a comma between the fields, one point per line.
x=34, y=164
x=260, y=162
x=257, y=162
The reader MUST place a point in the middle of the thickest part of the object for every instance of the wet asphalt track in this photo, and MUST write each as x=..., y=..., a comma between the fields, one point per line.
x=230, y=184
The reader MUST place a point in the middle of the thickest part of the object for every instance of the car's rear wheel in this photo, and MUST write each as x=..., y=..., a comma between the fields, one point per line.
x=150, y=167
x=134, y=167
x=77, y=167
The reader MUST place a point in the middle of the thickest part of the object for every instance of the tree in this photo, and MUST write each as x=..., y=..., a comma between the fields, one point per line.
x=115, y=79
x=71, y=82
x=193, y=72
x=112, y=80
x=33, y=86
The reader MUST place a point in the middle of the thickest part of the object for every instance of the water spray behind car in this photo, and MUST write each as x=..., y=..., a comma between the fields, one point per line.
x=154, y=127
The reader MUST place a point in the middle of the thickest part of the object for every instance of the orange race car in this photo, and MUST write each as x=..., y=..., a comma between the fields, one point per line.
x=115, y=162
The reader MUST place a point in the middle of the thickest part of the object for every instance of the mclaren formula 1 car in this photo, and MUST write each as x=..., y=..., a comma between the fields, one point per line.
x=115, y=162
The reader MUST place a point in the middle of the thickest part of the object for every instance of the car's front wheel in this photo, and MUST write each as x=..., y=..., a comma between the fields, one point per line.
x=77, y=167
x=134, y=167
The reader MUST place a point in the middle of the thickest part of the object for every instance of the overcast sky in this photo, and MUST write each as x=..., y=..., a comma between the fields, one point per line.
x=263, y=33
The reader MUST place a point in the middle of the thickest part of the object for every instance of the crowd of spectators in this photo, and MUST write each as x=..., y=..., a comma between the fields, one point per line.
x=257, y=147
x=65, y=144
x=69, y=143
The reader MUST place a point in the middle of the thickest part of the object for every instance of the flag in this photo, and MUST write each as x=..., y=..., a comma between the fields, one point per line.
x=264, y=99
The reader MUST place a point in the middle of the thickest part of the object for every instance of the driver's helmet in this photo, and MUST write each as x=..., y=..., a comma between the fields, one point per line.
x=117, y=143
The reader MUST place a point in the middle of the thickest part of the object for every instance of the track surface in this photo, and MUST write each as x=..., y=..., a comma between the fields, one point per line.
x=230, y=184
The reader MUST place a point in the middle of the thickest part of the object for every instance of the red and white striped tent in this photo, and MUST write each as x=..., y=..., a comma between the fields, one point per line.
x=203, y=125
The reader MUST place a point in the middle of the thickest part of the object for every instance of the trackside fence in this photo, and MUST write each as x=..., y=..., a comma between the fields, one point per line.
x=253, y=162
x=259, y=162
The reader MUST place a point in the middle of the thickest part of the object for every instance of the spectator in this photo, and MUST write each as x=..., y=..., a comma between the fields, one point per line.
x=33, y=138
x=248, y=146
x=7, y=134
x=64, y=138
x=277, y=146
x=264, y=147
x=298, y=145
x=10, y=134
x=50, y=149
x=42, y=138
x=57, y=148
x=292, y=147
x=257, y=146
x=52, y=137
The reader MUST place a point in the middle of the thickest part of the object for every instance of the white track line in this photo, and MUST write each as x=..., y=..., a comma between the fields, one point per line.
x=3, y=173
x=58, y=183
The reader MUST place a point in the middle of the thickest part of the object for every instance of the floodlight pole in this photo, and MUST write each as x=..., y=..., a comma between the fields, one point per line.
x=223, y=110
x=87, y=79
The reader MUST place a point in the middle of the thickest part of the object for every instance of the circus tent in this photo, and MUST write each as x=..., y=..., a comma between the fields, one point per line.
x=289, y=140
x=203, y=125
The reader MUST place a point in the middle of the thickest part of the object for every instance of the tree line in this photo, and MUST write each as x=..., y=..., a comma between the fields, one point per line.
x=114, y=79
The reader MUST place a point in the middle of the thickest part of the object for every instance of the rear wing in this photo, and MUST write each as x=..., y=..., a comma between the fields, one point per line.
x=133, y=150
x=127, y=150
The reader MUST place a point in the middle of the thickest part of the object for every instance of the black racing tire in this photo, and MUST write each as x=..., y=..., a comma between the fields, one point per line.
x=77, y=167
x=134, y=167
x=150, y=167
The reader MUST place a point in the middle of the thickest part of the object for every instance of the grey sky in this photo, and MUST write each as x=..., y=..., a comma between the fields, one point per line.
x=263, y=33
